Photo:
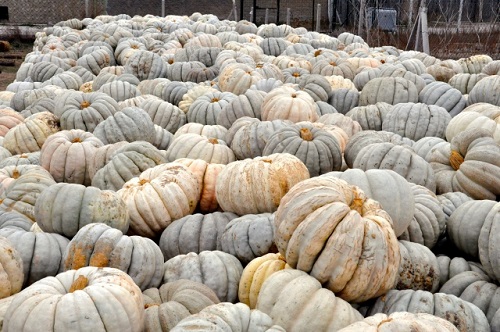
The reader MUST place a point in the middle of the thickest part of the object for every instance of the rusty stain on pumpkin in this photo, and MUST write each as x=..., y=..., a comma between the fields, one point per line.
x=80, y=283
x=456, y=160
x=99, y=260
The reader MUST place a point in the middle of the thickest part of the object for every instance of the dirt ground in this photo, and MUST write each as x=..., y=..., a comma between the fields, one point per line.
x=13, y=58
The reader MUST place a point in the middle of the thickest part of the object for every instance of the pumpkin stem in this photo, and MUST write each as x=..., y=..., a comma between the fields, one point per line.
x=80, y=283
x=149, y=305
x=317, y=53
x=76, y=140
x=143, y=181
x=281, y=258
x=306, y=134
x=84, y=104
x=214, y=100
x=456, y=160
x=357, y=204
x=296, y=74
x=15, y=174
x=213, y=140
x=294, y=95
x=269, y=161
x=23, y=156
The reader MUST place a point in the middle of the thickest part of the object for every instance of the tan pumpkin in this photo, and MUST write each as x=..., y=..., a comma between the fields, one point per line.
x=11, y=269
x=9, y=119
x=257, y=185
x=286, y=103
x=331, y=230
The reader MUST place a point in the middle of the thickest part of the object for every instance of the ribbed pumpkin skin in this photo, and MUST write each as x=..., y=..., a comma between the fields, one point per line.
x=398, y=158
x=400, y=321
x=464, y=315
x=451, y=201
x=247, y=104
x=316, y=148
x=392, y=90
x=314, y=308
x=488, y=239
x=419, y=269
x=164, y=114
x=127, y=162
x=30, y=158
x=486, y=91
x=64, y=208
x=257, y=185
x=196, y=146
x=67, y=309
x=250, y=139
x=388, y=188
x=249, y=237
x=465, y=224
x=194, y=233
x=226, y=317
x=451, y=267
x=255, y=273
x=22, y=194
x=166, y=306
x=99, y=245
x=67, y=155
x=428, y=222
x=207, y=178
x=41, y=253
x=327, y=228
x=206, y=108
x=11, y=269
x=30, y=135
x=370, y=117
x=84, y=111
x=158, y=196
x=216, y=269
x=9, y=119
x=442, y=94
x=469, y=164
x=144, y=65
x=130, y=124
x=286, y=103
x=417, y=120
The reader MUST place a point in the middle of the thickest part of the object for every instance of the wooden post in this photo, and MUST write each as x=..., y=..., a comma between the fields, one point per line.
x=251, y=14
x=425, y=32
x=235, y=11
x=266, y=18
x=318, y=18
x=361, y=18
x=162, y=8
x=288, y=16
x=410, y=14
x=480, y=11
x=419, y=31
x=460, y=11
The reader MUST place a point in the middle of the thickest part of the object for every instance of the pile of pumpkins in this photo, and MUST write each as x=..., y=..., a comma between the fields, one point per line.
x=185, y=173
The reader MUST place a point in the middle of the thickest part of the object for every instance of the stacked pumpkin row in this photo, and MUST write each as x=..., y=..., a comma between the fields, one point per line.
x=299, y=179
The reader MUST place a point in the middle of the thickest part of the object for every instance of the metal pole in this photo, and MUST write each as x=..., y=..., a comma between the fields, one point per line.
x=235, y=11
x=162, y=8
x=410, y=14
x=288, y=16
x=361, y=19
x=266, y=18
x=312, y=24
x=87, y=9
x=252, y=16
x=318, y=18
x=460, y=10
x=425, y=33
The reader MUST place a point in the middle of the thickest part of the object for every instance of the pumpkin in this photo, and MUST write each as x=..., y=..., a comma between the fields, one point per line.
x=417, y=120
x=144, y=65
x=211, y=131
x=451, y=201
x=9, y=119
x=237, y=78
x=419, y=268
x=130, y=124
x=465, y=82
x=77, y=110
x=401, y=159
x=249, y=236
x=343, y=99
x=11, y=267
x=216, y=269
x=128, y=161
x=107, y=296
x=487, y=242
x=194, y=146
x=286, y=103
x=469, y=164
x=171, y=192
x=318, y=149
x=451, y=267
x=257, y=185
x=194, y=233
x=323, y=227
x=444, y=95
x=401, y=321
x=226, y=317
x=370, y=117
x=314, y=308
x=347, y=124
x=167, y=305
x=21, y=195
x=67, y=155
x=100, y=245
x=247, y=104
x=207, y=174
x=383, y=186
x=64, y=208
x=30, y=135
x=392, y=90
x=206, y=108
x=41, y=253
x=464, y=315
x=255, y=273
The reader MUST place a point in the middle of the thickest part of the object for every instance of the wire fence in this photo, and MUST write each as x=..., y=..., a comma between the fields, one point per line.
x=457, y=28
